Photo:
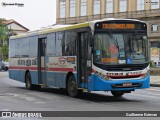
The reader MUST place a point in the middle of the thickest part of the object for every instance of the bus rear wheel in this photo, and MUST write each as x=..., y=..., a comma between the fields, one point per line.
x=72, y=87
x=117, y=93
x=29, y=84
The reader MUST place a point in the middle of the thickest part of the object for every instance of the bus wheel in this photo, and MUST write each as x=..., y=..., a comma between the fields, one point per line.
x=29, y=81
x=117, y=93
x=72, y=87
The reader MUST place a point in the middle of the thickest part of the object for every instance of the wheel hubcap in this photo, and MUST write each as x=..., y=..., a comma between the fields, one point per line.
x=73, y=86
x=28, y=81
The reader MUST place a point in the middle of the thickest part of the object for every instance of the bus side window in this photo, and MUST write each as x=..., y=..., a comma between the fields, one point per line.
x=70, y=43
x=18, y=47
x=25, y=47
x=59, y=36
x=66, y=46
x=73, y=42
x=12, y=48
x=33, y=41
x=51, y=50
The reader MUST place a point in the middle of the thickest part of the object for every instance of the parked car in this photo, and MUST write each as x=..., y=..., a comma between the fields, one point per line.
x=4, y=65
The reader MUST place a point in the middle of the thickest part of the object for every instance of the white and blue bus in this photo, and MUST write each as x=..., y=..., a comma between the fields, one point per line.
x=101, y=55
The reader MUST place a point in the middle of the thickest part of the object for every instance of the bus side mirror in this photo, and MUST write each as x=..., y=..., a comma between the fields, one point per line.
x=91, y=41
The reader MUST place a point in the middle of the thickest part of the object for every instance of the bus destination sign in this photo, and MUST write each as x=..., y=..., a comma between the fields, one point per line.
x=118, y=26
x=121, y=25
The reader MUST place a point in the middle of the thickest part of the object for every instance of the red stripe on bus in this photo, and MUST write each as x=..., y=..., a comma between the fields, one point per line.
x=36, y=68
x=24, y=68
x=61, y=69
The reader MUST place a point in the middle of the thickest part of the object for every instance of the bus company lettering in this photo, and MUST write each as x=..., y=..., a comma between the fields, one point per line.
x=27, y=62
x=124, y=74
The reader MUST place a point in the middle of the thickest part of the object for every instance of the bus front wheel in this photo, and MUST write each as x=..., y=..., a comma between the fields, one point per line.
x=72, y=87
x=117, y=93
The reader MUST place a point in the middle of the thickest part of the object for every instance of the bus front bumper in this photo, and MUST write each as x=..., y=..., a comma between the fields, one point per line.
x=98, y=84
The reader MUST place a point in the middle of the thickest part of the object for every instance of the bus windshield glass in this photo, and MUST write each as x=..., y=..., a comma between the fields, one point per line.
x=120, y=48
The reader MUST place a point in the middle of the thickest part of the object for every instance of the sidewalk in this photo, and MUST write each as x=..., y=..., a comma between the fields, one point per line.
x=155, y=81
x=3, y=73
x=155, y=77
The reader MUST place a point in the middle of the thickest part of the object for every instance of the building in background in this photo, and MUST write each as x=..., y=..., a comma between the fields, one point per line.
x=11, y=28
x=77, y=11
x=16, y=27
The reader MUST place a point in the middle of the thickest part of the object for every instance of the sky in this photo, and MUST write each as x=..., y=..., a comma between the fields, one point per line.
x=34, y=15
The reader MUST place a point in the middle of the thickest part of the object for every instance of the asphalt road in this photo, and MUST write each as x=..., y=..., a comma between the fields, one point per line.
x=15, y=97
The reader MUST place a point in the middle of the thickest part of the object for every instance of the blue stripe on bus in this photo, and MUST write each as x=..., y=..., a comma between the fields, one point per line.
x=20, y=76
x=55, y=79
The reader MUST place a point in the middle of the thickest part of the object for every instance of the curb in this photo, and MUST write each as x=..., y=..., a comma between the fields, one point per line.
x=155, y=85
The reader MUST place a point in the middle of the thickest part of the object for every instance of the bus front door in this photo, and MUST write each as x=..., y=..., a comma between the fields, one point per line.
x=83, y=60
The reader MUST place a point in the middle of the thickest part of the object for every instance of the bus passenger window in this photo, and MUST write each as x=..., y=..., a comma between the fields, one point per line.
x=70, y=43
x=59, y=36
x=51, y=47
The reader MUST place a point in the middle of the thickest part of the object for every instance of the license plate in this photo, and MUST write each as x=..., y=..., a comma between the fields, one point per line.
x=127, y=84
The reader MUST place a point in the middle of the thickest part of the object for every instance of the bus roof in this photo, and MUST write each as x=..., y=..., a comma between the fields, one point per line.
x=57, y=28
x=50, y=29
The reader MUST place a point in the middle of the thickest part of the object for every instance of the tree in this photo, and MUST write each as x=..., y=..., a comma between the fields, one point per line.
x=5, y=33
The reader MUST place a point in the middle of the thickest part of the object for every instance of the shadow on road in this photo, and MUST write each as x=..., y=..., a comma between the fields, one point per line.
x=90, y=97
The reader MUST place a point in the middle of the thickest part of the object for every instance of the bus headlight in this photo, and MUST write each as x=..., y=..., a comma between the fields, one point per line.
x=105, y=77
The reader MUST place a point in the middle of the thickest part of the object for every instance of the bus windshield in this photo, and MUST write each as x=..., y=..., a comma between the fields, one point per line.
x=120, y=48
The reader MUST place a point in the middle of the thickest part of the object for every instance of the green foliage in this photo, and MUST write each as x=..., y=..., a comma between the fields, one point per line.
x=4, y=40
x=151, y=64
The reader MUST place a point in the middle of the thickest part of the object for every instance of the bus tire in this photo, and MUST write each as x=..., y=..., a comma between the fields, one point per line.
x=72, y=87
x=117, y=93
x=29, y=84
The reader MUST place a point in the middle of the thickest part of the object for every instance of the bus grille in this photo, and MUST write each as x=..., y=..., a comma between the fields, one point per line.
x=124, y=77
x=124, y=67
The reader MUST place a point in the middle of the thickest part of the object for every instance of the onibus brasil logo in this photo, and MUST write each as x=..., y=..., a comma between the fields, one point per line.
x=4, y=4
